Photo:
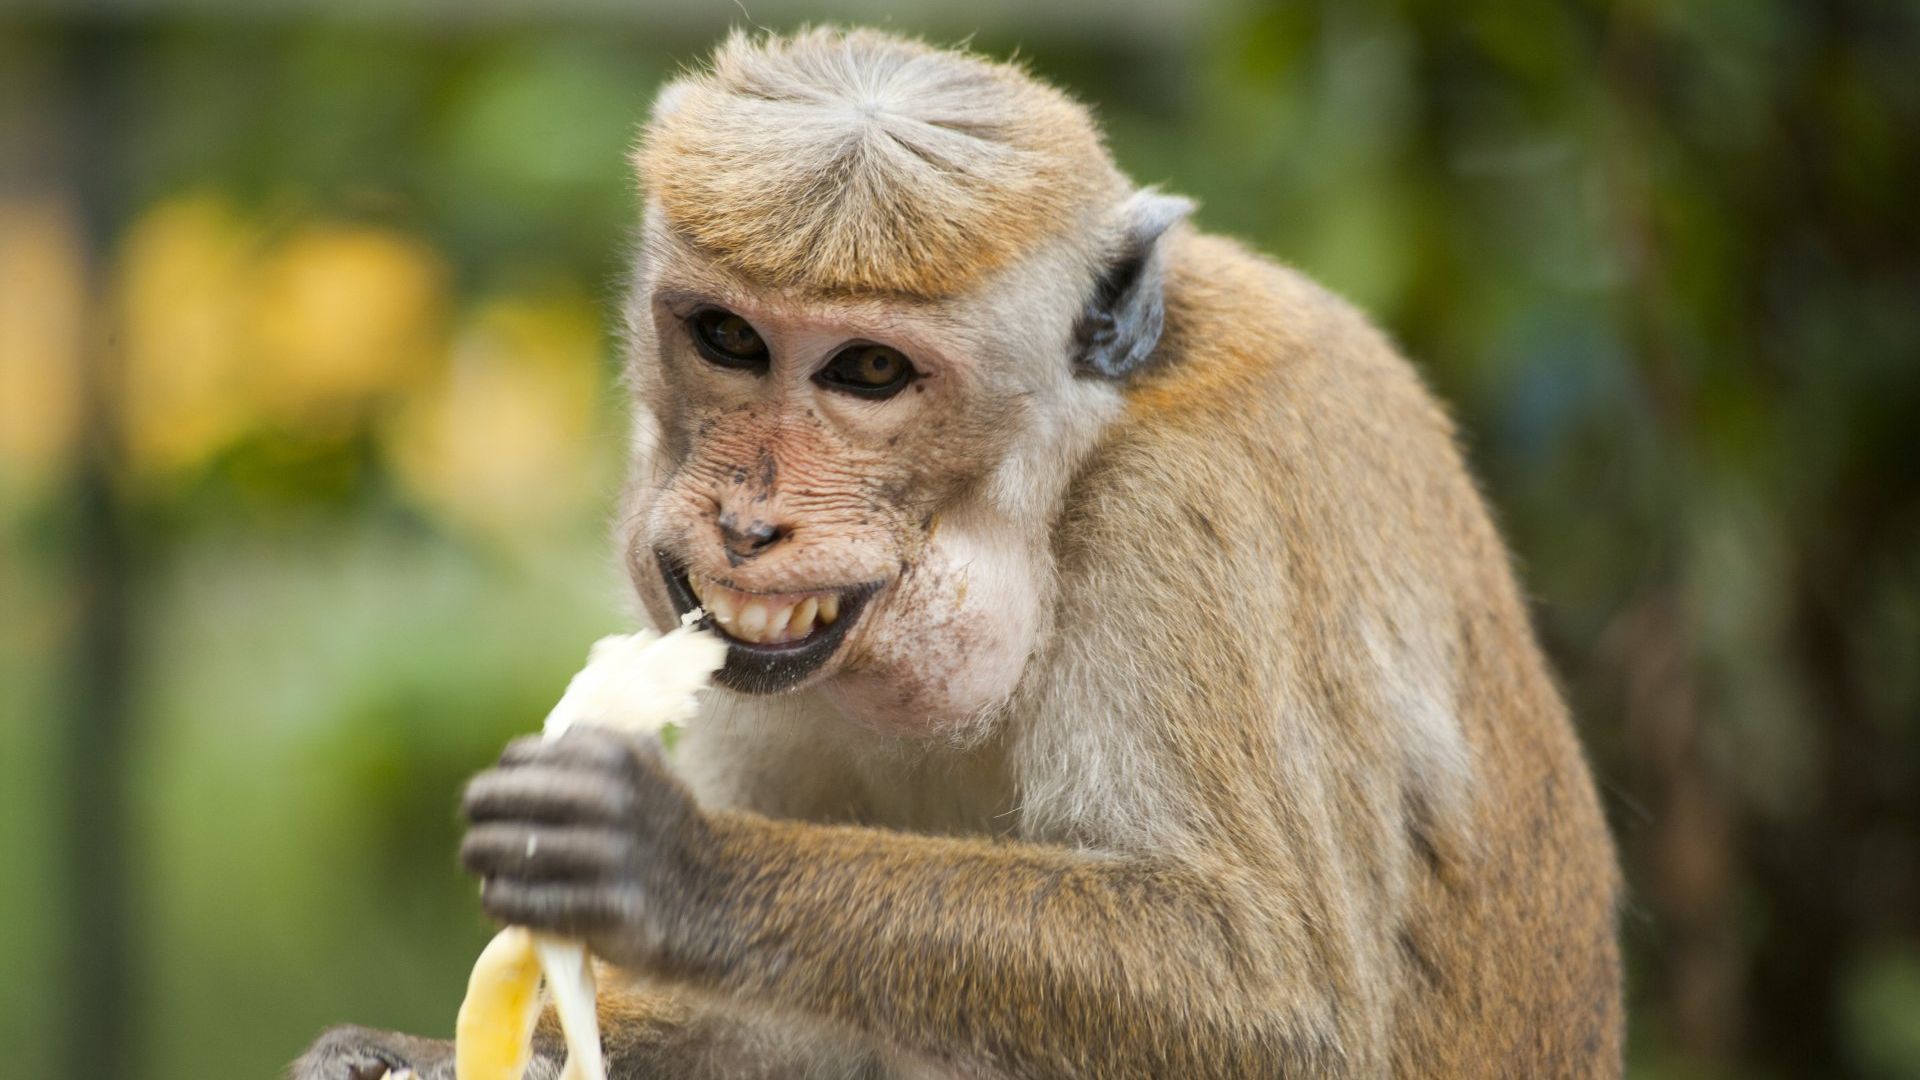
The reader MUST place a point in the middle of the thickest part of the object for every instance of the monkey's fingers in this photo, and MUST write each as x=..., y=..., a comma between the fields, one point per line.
x=547, y=793
x=564, y=909
x=500, y=850
x=583, y=746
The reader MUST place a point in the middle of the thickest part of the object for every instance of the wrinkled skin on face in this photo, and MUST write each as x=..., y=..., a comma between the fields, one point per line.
x=925, y=510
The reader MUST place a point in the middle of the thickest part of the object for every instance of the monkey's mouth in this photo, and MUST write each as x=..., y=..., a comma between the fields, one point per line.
x=774, y=641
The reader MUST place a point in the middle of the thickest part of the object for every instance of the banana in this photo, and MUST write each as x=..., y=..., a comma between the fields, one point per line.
x=637, y=682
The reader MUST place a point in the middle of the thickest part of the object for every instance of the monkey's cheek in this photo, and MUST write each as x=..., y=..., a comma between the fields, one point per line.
x=942, y=681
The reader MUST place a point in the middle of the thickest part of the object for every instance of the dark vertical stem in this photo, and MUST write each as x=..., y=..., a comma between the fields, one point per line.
x=93, y=766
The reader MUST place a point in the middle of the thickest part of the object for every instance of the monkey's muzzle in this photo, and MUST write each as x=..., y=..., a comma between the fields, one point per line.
x=774, y=641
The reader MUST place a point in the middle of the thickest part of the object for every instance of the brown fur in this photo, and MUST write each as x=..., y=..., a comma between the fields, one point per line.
x=1483, y=905
x=940, y=167
x=1276, y=782
x=1315, y=893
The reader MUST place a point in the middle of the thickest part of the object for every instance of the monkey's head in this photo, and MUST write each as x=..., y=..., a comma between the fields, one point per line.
x=885, y=302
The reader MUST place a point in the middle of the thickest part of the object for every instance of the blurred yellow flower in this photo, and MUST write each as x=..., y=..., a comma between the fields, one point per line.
x=186, y=282
x=343, y=315
x=507, y=442
x=229, y=331
x=42, y=313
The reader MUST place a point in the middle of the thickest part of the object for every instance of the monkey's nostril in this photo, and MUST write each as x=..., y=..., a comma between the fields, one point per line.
x=751, y=538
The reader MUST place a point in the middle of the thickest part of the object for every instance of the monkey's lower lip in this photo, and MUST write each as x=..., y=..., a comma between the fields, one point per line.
x=761, y=668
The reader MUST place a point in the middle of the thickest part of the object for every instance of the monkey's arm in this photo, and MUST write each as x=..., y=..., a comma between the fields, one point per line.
x=1031, y=959
x=659, y=1032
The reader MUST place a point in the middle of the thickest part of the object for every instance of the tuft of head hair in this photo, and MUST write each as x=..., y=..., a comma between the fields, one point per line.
x=858, y=161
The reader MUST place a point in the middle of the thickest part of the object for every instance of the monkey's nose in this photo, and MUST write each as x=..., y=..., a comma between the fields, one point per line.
x=746, y=541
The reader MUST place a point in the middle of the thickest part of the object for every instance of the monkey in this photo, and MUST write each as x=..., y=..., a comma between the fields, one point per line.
x=1125, y=676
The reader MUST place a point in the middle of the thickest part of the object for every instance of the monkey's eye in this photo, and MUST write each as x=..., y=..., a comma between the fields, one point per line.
x=728, y=340
x=871, y=371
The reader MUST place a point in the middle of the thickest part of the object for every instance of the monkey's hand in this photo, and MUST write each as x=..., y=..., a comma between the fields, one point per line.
x=357, y=1053
x=589, y=836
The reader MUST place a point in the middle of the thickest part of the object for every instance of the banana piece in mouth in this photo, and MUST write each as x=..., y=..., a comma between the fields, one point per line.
x=637, y=682
x=640, y=682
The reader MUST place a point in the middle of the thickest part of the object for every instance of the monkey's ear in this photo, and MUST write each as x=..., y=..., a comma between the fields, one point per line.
x=1121, y=323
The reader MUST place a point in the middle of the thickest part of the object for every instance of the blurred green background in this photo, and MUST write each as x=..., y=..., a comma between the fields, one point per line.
x=308, y=433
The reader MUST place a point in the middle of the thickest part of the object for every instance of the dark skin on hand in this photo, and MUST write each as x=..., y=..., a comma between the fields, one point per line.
x=591, y=836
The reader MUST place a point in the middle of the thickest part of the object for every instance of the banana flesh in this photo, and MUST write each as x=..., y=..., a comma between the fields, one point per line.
x=637, y=682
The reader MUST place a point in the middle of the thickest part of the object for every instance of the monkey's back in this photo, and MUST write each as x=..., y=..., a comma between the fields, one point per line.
x=1388, y=709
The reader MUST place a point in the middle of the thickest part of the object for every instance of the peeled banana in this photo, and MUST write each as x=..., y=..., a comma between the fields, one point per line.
x=637, y=682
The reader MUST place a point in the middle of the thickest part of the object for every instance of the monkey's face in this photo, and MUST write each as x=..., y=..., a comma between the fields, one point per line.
x=850, y=490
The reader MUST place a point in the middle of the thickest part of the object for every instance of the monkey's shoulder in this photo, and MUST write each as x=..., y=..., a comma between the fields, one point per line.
x=1248, y=334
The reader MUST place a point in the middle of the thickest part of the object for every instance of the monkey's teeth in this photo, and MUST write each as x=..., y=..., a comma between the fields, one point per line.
x=777, y=623
x=802, y=622
x=721, y=605
x=755, y=619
